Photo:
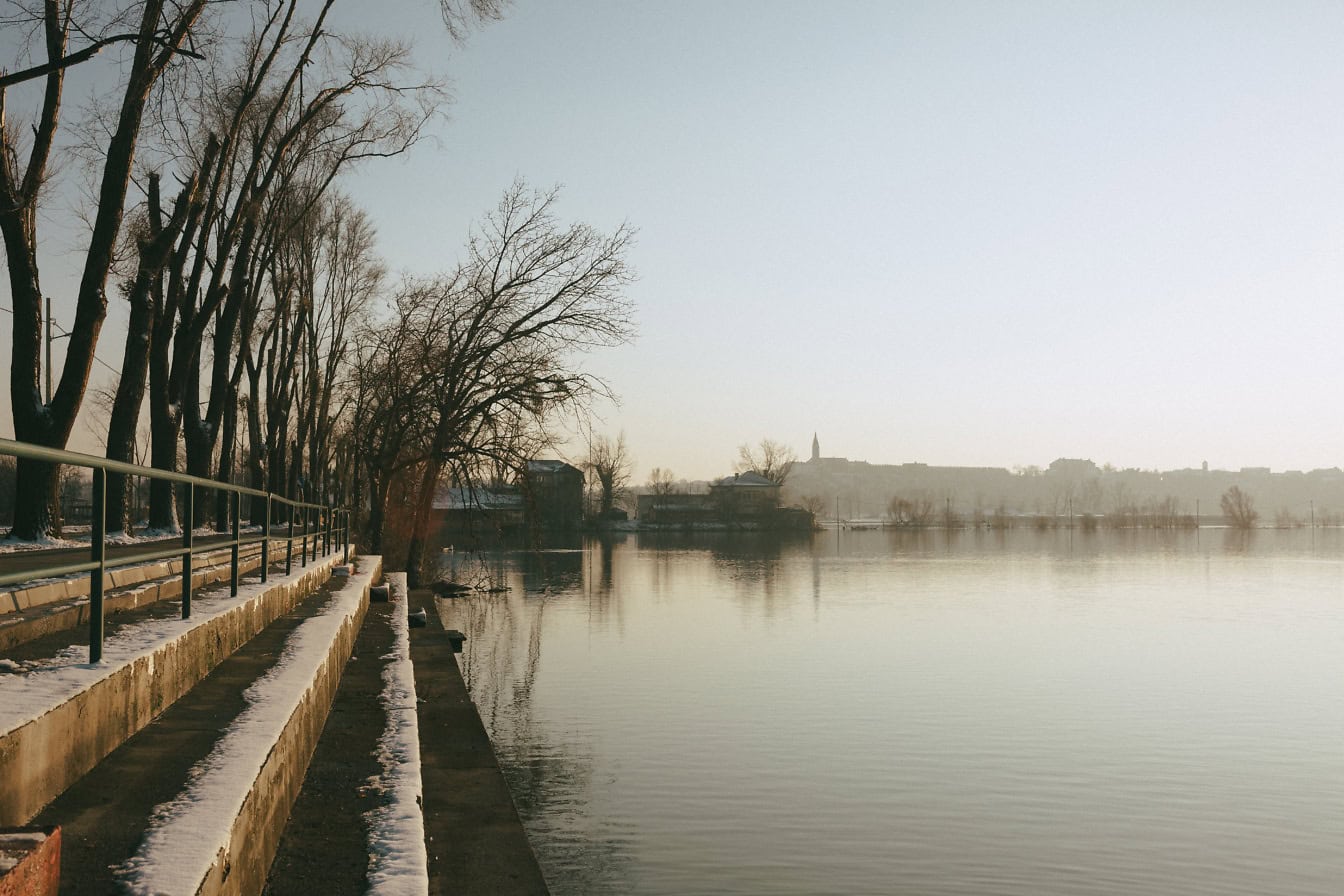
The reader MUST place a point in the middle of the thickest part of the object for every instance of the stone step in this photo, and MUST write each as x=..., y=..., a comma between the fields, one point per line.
x=34, y=611
x=63, y=715
x=326, y=843
x=195, y=801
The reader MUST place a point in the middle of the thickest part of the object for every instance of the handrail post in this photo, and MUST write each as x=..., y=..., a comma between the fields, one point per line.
x=303, y=554
x=326, y=540
x=347, y=537
x=98, y=549
x=235, y=507
x=188, y=514
x=266, y=540
x=289, y=544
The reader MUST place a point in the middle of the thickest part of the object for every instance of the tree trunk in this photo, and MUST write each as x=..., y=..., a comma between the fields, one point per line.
x=379, y=485
x=125, y=416
x=424, y=506
x=228, y=438
x=50, y=424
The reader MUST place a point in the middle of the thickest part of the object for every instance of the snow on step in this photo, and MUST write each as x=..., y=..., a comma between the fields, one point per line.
x=52, y=682
x=398, y=863
x=188, y=833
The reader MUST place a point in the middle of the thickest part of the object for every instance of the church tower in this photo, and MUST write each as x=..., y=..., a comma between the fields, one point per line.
x=816, y=447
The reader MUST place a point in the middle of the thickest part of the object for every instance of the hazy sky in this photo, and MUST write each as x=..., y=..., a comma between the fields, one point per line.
x=954, y=233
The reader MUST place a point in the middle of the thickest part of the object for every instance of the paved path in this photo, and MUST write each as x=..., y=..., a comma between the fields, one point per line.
x=473, y=833
x=104, y=815
x=19, y=561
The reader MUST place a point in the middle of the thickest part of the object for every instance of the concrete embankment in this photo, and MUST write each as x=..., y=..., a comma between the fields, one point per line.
x=197, y=800
x=474, y=836
x=63, y=720
x=474, y=840
x=35, y=611
x=276, y=772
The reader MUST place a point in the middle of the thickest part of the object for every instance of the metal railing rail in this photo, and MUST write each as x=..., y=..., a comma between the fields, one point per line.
x=326, y=526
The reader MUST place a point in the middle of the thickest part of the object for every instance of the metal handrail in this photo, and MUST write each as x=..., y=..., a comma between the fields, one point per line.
x=334, y=535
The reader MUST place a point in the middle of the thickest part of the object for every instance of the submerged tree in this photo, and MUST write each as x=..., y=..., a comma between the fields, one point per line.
x=609, y=463
x=1239, y=509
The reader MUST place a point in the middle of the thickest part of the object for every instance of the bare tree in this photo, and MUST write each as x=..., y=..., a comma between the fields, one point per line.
x=297, y=106
x=489, y=350
x=609, y=463
x=770, y=459
x=917, y=512
x=1239, y=509
x=661, y=482
x=159, y=35
x=813, y=504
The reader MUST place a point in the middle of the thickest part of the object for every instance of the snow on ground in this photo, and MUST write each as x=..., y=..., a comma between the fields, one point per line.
x=14, y=545
x=49, y=683
x=186, y=834
x=207, y=554
x=78, y=537
x=398, y=863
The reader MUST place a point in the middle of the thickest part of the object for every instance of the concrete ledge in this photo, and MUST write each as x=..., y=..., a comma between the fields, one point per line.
x=306, y=689
x=18, y=599
x=474, y=836
x=26, y=625
x=42, y=757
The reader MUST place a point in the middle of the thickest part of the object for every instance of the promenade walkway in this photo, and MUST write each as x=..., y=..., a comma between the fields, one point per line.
x=185, y=758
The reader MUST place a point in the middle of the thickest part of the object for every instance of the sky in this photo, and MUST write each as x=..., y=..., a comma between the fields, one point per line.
x=986, y=234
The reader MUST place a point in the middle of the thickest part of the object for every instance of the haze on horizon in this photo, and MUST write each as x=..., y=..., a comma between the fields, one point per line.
x=954, y=233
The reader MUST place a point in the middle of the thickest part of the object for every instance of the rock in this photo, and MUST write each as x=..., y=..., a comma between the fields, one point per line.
x=380, y=594
x=418, y=619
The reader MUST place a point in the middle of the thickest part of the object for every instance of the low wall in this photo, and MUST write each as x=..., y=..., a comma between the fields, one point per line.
x=155, y=581
x=221, y=834
x=41, y=758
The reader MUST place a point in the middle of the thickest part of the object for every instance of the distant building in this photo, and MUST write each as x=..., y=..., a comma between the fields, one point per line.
x=1073, y=468
x=745, y=495
x=478, y=510
x=548, y=496
x=676, y=510
x=553, y=492
x=744, y=500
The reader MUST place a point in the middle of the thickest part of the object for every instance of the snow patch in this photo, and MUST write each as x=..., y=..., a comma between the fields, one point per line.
x=398, y=863
x=12, y=545
x=186, y=834
x=46, y=684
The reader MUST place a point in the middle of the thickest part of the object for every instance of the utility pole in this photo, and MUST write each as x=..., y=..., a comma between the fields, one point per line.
x=48, y=350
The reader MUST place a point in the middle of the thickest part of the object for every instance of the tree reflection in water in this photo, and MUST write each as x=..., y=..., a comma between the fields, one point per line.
x=549, y=776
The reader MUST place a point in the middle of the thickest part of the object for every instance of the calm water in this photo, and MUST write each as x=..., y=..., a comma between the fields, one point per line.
x=873, y=712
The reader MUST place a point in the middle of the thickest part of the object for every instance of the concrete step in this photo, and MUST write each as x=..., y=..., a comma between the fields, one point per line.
x=404, y=793
x=60, y=718
x=315, y=854
x=195, y=801
x=34, y=611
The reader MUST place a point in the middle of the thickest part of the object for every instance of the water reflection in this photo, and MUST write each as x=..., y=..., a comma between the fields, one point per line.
x=1020, y=712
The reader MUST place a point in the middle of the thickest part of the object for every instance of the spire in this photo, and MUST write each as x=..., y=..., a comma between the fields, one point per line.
x=816, y=447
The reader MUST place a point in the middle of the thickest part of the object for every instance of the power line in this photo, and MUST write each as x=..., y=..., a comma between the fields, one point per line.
x=66, y=335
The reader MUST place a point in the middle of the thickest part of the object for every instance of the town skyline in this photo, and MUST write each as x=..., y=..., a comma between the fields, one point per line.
x=944, y=233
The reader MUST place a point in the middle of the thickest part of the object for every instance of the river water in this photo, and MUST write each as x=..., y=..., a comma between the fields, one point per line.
x=961, y=713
